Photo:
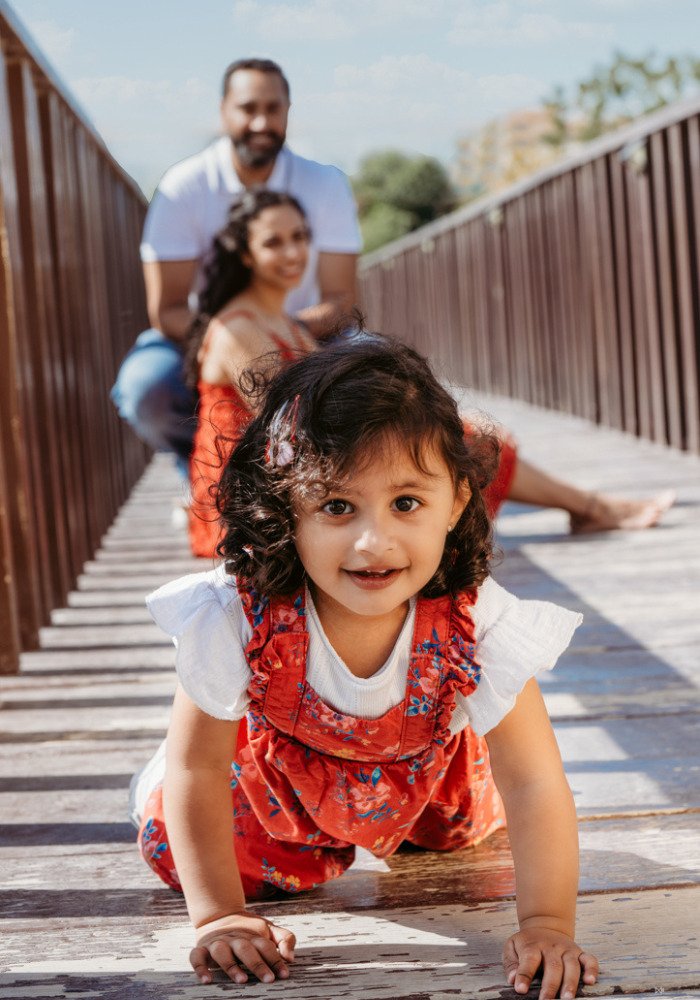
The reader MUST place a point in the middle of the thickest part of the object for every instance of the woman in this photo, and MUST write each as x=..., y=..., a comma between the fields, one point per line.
x=242, y=325
x=258, y=257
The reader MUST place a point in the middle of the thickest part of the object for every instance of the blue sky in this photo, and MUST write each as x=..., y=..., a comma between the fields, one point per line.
x=365, y=74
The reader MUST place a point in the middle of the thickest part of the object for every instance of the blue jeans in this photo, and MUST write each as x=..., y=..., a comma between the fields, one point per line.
x=151, y=395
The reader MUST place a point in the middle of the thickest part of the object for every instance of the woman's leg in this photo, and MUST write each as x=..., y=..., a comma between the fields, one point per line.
x=590, y=511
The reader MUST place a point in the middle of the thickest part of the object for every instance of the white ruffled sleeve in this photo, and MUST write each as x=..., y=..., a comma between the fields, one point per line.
x=515, y=640
x=203, y=614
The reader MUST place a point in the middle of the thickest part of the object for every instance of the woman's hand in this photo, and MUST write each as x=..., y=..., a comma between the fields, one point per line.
x=241, y=941
x=561, y=960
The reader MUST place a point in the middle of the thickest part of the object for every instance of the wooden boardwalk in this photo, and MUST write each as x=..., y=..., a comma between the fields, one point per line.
x=83, y=917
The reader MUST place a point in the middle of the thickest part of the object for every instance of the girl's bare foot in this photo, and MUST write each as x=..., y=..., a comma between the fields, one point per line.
x=606, y=513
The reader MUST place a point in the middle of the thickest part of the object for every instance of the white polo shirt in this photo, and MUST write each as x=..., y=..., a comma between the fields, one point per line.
x=192, y=200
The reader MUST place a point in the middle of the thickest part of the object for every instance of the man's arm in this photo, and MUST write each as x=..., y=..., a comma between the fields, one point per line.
x=168, y=284
x=337, y=281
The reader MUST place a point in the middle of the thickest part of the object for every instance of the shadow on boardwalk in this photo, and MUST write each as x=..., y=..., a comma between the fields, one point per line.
x=82, y=915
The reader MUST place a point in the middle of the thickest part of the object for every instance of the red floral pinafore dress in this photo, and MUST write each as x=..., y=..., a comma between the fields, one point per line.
x=309, y=783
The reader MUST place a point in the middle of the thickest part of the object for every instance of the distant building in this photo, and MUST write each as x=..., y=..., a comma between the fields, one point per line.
x=504, y=151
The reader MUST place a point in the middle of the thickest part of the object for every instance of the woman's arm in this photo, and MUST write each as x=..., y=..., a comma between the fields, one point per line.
x=199, y=821
x=543, y=835
x=337, y=280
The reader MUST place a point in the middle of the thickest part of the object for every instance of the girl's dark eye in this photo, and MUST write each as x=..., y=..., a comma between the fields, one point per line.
x=406, y=504
x=337, y=507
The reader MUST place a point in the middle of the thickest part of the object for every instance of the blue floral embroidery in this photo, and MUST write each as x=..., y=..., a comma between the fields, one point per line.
x=290, y=883
x=432, y=645
x=236, y=769
x=372, y=778
x=148, y=833
x=258, y=606
x=419, y=705
x=276, y=807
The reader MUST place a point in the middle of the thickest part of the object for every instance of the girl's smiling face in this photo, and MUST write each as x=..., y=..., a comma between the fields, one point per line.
x=377, y=541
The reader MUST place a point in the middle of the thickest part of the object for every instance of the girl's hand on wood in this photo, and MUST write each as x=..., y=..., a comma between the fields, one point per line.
x=241, y=941
x=560, y=959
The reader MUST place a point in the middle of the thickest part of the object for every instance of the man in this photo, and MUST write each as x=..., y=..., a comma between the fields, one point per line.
x=190, y=206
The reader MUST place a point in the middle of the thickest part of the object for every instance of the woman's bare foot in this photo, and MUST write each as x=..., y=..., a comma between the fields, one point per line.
x=606, y=513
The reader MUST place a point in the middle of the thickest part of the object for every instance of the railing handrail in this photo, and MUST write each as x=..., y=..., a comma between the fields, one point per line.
x=53, y=77
x=627, y=135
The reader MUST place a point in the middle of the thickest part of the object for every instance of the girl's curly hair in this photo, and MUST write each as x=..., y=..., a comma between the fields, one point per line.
x=225, y=273
x=318, y=420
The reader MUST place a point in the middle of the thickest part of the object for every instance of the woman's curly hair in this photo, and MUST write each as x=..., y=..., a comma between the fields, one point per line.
x=225, y=273
x=318, y=420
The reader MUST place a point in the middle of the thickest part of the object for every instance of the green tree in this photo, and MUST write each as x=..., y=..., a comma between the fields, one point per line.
x=618, y=93
x=397, y=193
x=374, y=176
x=383, y=223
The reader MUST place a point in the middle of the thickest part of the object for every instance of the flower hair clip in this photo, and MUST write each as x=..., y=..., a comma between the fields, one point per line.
x=279, y=450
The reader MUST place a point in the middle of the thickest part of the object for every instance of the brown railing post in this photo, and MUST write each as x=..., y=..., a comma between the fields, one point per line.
x=9, y=613
x=14, y=373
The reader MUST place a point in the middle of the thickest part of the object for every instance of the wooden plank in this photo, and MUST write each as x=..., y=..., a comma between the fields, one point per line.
x=107, y=636
x=89, y=662
x=416, y=953
x=106, y=757
x=130, y=614
x=44, y=725
x=627, y=765
x=632, y=853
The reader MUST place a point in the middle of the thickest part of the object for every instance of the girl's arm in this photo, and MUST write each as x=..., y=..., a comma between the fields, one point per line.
x=543, y=836
x=199, y=821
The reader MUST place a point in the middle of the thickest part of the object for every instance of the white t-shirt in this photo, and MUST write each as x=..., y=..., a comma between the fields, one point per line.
x=192, y=201
x=515, y=640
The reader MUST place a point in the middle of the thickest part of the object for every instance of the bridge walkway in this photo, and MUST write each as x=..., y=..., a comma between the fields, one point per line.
x=83, y=916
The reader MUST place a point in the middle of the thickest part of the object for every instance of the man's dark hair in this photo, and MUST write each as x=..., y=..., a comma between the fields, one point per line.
x=261, y=65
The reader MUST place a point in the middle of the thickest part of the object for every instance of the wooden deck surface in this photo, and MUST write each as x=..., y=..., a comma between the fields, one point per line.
x=83, y=917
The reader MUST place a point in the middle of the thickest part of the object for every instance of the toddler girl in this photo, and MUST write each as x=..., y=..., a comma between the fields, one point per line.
x=352, y=676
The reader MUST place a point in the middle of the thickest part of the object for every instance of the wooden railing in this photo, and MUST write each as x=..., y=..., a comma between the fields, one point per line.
x=71, y=304
x=577, y=290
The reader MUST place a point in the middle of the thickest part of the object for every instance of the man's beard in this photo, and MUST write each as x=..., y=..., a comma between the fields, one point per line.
x=250, y=157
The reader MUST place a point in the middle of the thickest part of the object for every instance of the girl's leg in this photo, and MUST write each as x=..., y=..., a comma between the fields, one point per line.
x=589, y=511
x=265, y=864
